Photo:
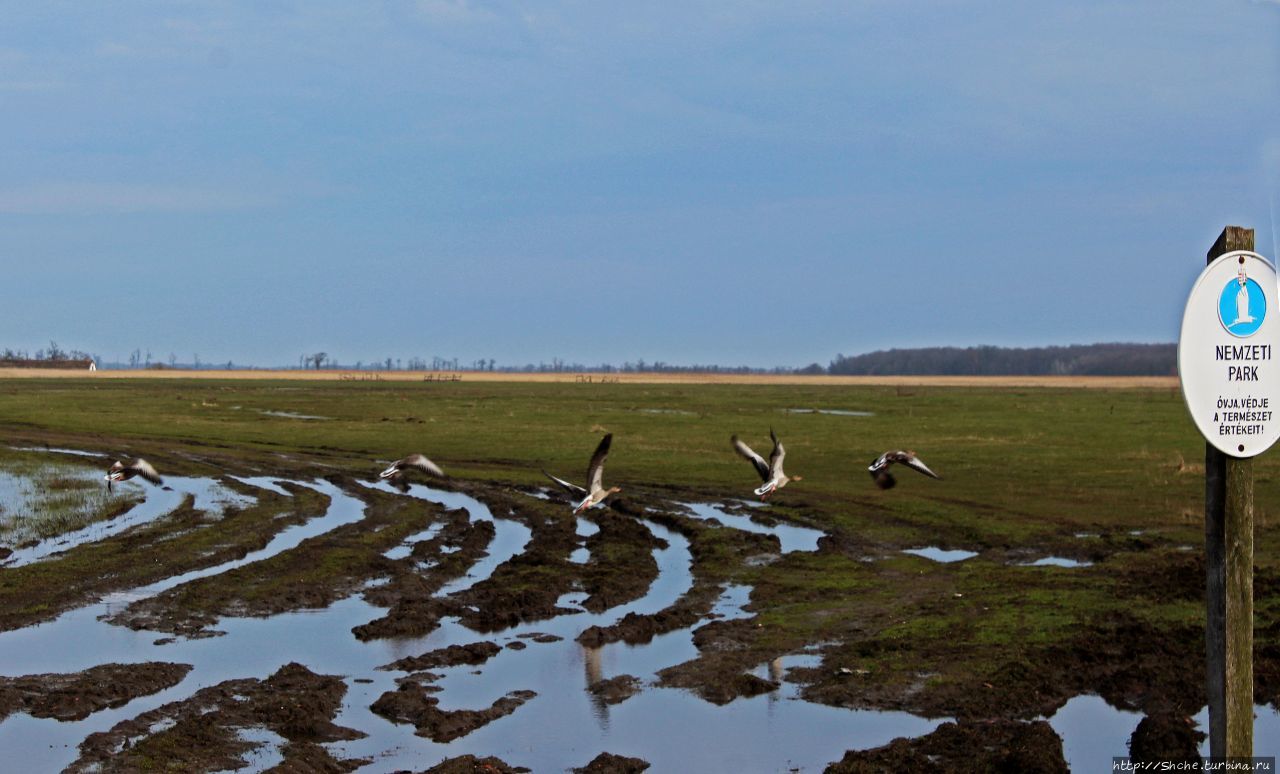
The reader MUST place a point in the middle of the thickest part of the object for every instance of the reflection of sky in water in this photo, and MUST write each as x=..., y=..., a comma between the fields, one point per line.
x=793, y=538
x=563, y=726
x=509, y=538
x=1093, y=732
x=406, y=548
x=831, y=412
x=289, y=414
x=263, y=482
x=56, y=450
x=939, y=555
x=1057, y=561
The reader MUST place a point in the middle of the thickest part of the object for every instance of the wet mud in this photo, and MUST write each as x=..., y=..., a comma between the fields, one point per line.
x=608, y=763
x=76, y=696
x=471, y=764
x=417, y=562
x=202, y=733
x=973, y=748
x=411, y=704
x=615, y=690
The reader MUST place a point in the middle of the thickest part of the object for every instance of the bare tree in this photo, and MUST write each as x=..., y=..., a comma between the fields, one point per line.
x=318, y=358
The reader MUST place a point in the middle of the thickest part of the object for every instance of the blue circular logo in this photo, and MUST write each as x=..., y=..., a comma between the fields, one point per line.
x=1242, y=307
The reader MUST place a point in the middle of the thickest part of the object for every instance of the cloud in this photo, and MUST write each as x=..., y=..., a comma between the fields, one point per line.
x=82, y=198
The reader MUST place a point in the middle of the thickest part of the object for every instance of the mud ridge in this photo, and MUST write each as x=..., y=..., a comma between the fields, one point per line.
x=200, y=732
x=411, y=704
x=76, y=696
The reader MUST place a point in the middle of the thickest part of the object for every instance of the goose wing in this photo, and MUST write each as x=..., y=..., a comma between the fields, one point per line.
x=915, y=463
x=881, y=463
x=572, y=489
x=776, y=456
x=756, y=460
x=595, y=471
x=419, y=462
x=141, y=467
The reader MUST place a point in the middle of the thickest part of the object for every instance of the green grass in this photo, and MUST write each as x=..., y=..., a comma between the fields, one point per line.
x=40, y=500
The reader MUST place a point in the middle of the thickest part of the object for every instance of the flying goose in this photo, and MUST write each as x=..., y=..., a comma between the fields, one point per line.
x=595, y=494
x=395, y=474
x=879, y=469
x=771, y=471
x=139, y=467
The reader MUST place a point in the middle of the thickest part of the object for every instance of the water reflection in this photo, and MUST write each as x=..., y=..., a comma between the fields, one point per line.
x=791, y=537
x=563, y=726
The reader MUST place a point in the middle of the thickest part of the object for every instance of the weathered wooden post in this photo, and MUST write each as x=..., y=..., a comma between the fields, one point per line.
x=1231, y=382
x=1228, y=528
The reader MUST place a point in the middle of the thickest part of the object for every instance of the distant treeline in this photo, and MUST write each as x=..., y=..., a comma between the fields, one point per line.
x=52, y=357
x=1074, y=360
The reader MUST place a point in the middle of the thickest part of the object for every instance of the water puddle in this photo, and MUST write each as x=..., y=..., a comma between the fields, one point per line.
x=56, y=450
x=263, y=482
x=1056, y=561
x=832, y=412
x=680, y=412
x=793, y=538
x=289, y=414
x=509, y=537
x=940, y=555
x=563, y=726
x=266, y=753
x=1093, y=732
x=406, y=548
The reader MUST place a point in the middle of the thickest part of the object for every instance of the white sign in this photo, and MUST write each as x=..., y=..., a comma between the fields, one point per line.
x=1227, y=354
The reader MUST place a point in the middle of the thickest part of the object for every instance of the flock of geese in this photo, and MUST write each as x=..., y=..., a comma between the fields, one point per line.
x=594, y=493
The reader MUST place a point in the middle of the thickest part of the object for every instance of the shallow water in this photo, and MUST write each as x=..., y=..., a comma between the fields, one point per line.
x=940, y=555
x=509, y=538
x=1057, y=561
x=56, y=450
x=289, y=414
x=793, y=538
x=263, y=482
x=831, y=412
x=1093, y=732
x=563, y=726
x=209, y=495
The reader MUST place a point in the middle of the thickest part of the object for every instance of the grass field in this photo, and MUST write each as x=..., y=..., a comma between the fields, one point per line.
x=1110, y=475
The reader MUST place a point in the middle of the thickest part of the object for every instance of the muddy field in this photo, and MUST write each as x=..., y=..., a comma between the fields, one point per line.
x=278, y=609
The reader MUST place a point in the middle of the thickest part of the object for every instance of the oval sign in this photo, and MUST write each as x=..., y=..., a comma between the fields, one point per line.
x=1227, y=358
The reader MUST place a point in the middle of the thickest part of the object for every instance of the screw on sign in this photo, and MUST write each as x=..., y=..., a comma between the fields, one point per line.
x=1227, y=358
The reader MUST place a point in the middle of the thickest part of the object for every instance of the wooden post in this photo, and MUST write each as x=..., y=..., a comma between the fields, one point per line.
x=1228, y=527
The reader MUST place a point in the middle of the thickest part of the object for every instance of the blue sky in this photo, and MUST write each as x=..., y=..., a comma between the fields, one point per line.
x=696, y=182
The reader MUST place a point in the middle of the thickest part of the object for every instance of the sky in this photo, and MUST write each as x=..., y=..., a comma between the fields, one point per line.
x=747, y=182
